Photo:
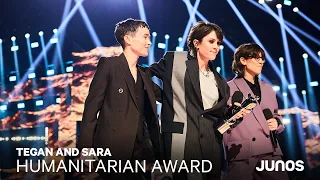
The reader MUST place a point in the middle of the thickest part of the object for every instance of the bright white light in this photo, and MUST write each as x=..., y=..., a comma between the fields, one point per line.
x=3, y=107
x=69, y=69
x=12, y=78
x=295, y=9
x=276, y=88
x=284, y=94
x=286, y=121
x=34, y=45
x=154, y=34
x=166, y=36
x=179, y=48
x=58, y=100
x=53, y=40
x=305, y=55
x=292, y=86
x=318, y=51
x=27, y=35
x=261, y=1
x=0, y=41
x=161, y=45
x=314, y=83
x=20, y=105
x=13, y=38
x=50, y=72
x=55, y=30
x=281, y=59
x=40, y=33
x=303, y=92
x=221, y=46
x=14, y=48
x=39, y=102
x=279, y=6
x=31, y=75
x=180, y=39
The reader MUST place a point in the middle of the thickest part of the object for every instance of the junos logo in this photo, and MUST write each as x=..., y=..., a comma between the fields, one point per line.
x=280, y=165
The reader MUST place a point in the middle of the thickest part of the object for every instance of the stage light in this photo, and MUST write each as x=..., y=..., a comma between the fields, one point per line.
x=50, y=72
x=292, y=86
x=53, y=40
x=13, y=38
x=287, y=2
x=286, y=121
x=305, y=55
x=55, y=31
x=161, y=45
x=261, y=1
x=154, y=34
x=31, y=75
x=0, y=41
x=69, y=69
x=285, y=94
x=58, y=100
x=12, y=78
x=318, y=53
x=221, y=46
x=34, y=45
x=41, y=33
x=27, y=35
x=281, y=59
x=179, y=48
x=166, y=36
x=20, y=105
x=314, y=83
x=180, y=39
x=279, y=6
x=303, y=92
x=14, y=48
x=276, y=88
x=39, y=102
x=295, y=9
x=3, y=107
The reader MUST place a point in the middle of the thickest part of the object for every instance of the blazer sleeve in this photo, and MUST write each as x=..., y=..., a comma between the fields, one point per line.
x=276, y=115
x=157, y=92
x=158, y=69
x=94, y=103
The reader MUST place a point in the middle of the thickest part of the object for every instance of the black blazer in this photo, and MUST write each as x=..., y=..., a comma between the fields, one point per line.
x=112, y=95
x=183, y=114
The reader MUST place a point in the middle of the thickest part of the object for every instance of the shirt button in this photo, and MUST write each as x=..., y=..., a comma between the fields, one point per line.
x=254, y=139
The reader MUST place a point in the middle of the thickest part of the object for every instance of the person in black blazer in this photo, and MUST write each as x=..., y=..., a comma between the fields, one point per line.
x=120, y=110
x=195, y=98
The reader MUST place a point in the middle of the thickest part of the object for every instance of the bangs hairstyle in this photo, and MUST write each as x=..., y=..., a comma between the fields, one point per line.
x=246, y=51
x=128, y=26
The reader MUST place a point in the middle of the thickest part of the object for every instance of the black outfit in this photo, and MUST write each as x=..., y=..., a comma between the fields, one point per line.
x=255, y=88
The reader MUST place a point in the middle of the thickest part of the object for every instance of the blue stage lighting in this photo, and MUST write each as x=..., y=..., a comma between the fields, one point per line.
x=276, y=88
x=292, y=86
x=31, y=75
x=295, y=9
x=179, y=48
x=154, y=34
x=287, y=2
x=20, y=105
x=39, y=102
x=303, y=92
x=27, y=35
x=12, y=78
x=166, y=36
x=14, y=48
x=3, y=107
x=314, y=83
x=50, y=72
x=279, y=6
x=305, y=55
x=218, y=69
x=40, y=33
x=13, y=38
x=180, y=39
x=55, y=31
x=286, y=120
x=34, y=45
x=58, y=100
x=161, y=45
x=69, y=69
x=221, y=46
x=0, y=41
x=281, y=59
x=53, y=40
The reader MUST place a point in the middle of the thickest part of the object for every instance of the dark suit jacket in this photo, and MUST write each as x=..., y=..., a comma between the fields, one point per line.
x=188, y=130
x=112, y=95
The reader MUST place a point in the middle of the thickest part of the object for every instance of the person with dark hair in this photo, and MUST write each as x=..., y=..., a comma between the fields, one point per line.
x=253, y=140
x=120, y=110
x=194, y=100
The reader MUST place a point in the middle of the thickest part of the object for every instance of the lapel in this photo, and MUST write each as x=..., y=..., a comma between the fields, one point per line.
x=193, y=71
x=257, y=111
x=128, y=77
x=149, y=87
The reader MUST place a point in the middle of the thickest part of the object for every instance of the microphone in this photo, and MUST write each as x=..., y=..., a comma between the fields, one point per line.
x=268, y=115
x=232, y=111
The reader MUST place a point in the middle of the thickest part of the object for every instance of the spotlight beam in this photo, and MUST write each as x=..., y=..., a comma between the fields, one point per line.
x=142, y=13
x=309, y=20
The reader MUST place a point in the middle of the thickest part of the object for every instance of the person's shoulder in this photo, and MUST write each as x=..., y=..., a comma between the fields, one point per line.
x=265, y=85
x=109, y=60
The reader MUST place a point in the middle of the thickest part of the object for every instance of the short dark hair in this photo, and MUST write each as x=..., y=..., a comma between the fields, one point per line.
x=126, y=27
x=200, y=30
x=249, y=50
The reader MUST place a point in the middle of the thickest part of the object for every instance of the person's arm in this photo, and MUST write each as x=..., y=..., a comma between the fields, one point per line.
x=277, y=116
x=93, y=103
x=157, y=92
x=158, y=69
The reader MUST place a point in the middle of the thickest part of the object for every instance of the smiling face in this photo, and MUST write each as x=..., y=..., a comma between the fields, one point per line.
x=253, y=65
x=139, y=42
x=208, y=47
